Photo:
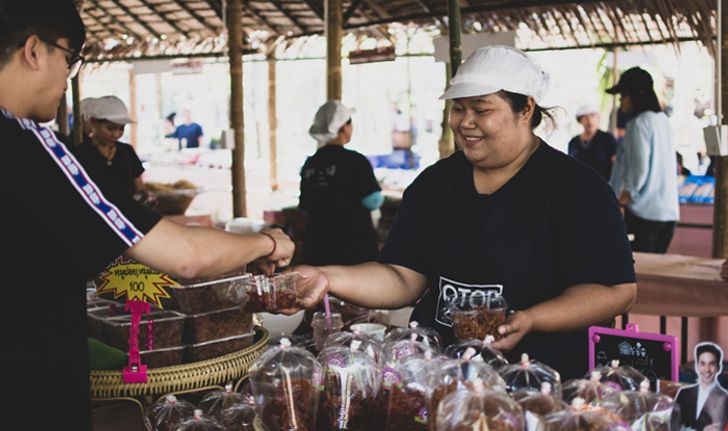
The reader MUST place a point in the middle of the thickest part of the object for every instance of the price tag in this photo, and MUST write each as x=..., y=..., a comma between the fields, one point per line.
x=135, y=281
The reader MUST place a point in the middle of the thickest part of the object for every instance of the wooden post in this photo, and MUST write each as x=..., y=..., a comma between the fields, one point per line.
x=234, y=15
x=334, y=32
x=446, y=143
x=77, y=120
x=132, y=108
x=272, y=123
x=454, y=29
x=62, y=116
x=615, y=107
x=720, y=207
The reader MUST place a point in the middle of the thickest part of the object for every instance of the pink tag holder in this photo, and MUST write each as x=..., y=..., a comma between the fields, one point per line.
x=135, y=371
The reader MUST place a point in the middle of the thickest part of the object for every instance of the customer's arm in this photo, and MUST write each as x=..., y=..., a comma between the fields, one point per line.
x=577, y=307
x=192, y=251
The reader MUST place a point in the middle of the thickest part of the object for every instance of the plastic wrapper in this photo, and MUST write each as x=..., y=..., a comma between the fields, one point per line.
x=269, y=294
x=198, y=422
x=479, y=409
x=350, y=382
x=463, y=373
x=215, y=402
x=394, y=352
x=476, y=317
x=157, y=330
x=536, y=405
x=592, y=390
x=427, y=335
x=239, y=417
x=579, y=417
x=403, y=405
x=643, y=409
x=321, y=329
x=205, y=294
x=285, y=383
x=484, y=351
x=213, y=349
x=217, y=324
x=167, y=357
x=529, y=374
x=167, y=413
x=369, y=345
x=350, y=313
x=620, y=377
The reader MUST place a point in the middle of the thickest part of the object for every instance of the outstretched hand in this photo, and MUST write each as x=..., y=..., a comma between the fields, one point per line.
x=283, y=249
x=311, y=287
x=518, y=325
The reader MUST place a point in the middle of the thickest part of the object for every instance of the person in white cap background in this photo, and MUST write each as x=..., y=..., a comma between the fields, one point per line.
x=338, y=193
x=108, y=116
x=506, y=214
x=594, y=147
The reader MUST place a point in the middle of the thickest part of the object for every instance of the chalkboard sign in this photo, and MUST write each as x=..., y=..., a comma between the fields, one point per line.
x=654, y=355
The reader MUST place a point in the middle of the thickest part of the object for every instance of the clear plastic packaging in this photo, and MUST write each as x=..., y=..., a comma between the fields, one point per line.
x=579, y=417
x=269, y=294
x=477, y=316
x=643, y=409
x=285, y=383
x=215, y=402
x=536, y=405
x=403, y=405
x=620, y=377
x=214, y=348
x=395, y=352
x=198, y=422
x=350, y=383
x=463, y=373
x=427, y=335
x=484, y=351
x=592, y=390
x=239, y=417
x=530, y=374
x=205, y=295
x=167, y=413
x=321, y=329
x=350, y=313
x=479, y=409
x=214, y=325
x=157, y=330
x=369, y=345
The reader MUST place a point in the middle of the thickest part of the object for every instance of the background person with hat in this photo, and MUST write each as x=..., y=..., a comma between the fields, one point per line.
x=107, y=117
x=594, y=147
x=338, y=194
x=644, y=177
x=509, y=214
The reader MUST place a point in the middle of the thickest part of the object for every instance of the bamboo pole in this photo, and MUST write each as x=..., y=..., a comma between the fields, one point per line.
x=720, y=207
x=132, y=108
x=234, y=14
x=77, y=120
x=334, y=31
x=272, y=123
x=454, y=30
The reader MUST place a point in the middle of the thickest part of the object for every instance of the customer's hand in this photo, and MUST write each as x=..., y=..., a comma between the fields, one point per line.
x=724, y=271
x=518, y=325
x=282, y=249
x=312, y=286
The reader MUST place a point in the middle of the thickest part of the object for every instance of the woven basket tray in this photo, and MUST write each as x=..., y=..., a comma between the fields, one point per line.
x=180, y=378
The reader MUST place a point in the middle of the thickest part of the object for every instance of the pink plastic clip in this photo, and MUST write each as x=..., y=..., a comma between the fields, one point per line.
x=135, y=371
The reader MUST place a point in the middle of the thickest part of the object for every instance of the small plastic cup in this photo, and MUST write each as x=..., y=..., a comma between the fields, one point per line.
x=321, y=328
x=475, y=317
x=259, y=290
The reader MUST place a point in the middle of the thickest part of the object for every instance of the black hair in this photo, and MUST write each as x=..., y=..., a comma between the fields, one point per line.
x=709, y=347
x=50, y=20
x=519, y=102
x=643, y=99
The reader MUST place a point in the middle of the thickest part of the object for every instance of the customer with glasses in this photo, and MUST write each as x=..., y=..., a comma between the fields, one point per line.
x=63, y=226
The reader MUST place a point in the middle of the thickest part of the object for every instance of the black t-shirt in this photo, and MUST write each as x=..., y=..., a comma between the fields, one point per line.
x=339, y=228
x=59, y=231
x=124, y=168
x=555, y=224
x=597, y=153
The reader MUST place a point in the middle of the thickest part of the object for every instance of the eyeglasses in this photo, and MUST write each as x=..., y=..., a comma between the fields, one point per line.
x=73, y=59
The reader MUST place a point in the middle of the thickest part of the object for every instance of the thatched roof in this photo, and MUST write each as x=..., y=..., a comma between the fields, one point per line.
x=125, y=29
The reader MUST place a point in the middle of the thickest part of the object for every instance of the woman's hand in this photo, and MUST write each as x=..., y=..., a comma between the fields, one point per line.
x=282, y=251
x=518, y=325
x=311, y=287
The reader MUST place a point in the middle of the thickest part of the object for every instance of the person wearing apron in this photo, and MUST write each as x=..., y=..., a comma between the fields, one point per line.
x=507, y=213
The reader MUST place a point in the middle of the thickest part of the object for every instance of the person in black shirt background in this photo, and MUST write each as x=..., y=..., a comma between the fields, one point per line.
x=507, y=213
x=338, y=193
x=593, y=146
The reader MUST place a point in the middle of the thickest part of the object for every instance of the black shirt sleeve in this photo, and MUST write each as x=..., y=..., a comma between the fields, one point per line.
x=135, y=164
x=365, y=183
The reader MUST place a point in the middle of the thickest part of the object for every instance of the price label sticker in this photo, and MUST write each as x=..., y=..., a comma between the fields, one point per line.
x=134, y=280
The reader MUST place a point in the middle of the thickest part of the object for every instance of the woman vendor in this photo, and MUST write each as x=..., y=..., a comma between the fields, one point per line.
x=507, y=213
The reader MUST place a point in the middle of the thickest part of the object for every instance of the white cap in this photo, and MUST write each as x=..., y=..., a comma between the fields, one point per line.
x=110, y=108
x=86, y=107
x=586, y=109
x=328, y=120
x=497, y=67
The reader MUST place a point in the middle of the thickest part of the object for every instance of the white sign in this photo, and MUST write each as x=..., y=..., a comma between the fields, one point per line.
x=716, y=140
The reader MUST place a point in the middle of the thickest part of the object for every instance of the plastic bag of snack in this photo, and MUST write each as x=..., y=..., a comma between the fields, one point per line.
x=427, y=335
x=476, y=317
x=479, y=409
x=619, y=377
x=530, y=374
x=215, y=402
x=536, y=405
x=484, y=351
x=643, y=409
x=369, y=345
x=579, y=417
x=393, y=352
x=167, y=413
x=592, y=390
x=198, y=422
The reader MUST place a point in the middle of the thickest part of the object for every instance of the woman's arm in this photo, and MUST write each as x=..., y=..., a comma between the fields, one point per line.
x=371, y=285
x=577, y=307
x=193, y=251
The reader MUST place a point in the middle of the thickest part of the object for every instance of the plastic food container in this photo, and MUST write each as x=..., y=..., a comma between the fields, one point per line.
x=536, y=405
x=166, y=357
x=239, y=417
x=166, y=414
x=620, y=377
x=215, y=402
x=369, y=345
x=395, y=352
x=350, y=383
x=214, y=325
x=215, y=348
x=484, y=351
x=321, y=330
x=157, y=330
x=479, y=409
x=476, y=317
x=591, y=390
x=205, y=295
x=643, y=409
x=579, y=417
x=529, y=374
x=96, y=317
x=285, y=383
x=271, y=294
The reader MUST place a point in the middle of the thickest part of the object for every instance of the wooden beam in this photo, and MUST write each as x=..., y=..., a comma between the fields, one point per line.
x=141, y=22
x=316, y=9
x=272, y=123
x=334, y=33
x=201, y=19
x=115, y=19
x=430, y=11
x=62, y=116
x=234, y=15
x=352, y=10
x=163, y=15
x=720, y=206
x=288, y=15
x=77, y=120
x=454, y=30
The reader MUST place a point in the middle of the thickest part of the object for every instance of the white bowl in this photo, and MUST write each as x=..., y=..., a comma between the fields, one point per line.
x=280, y=325
x=374, y=330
